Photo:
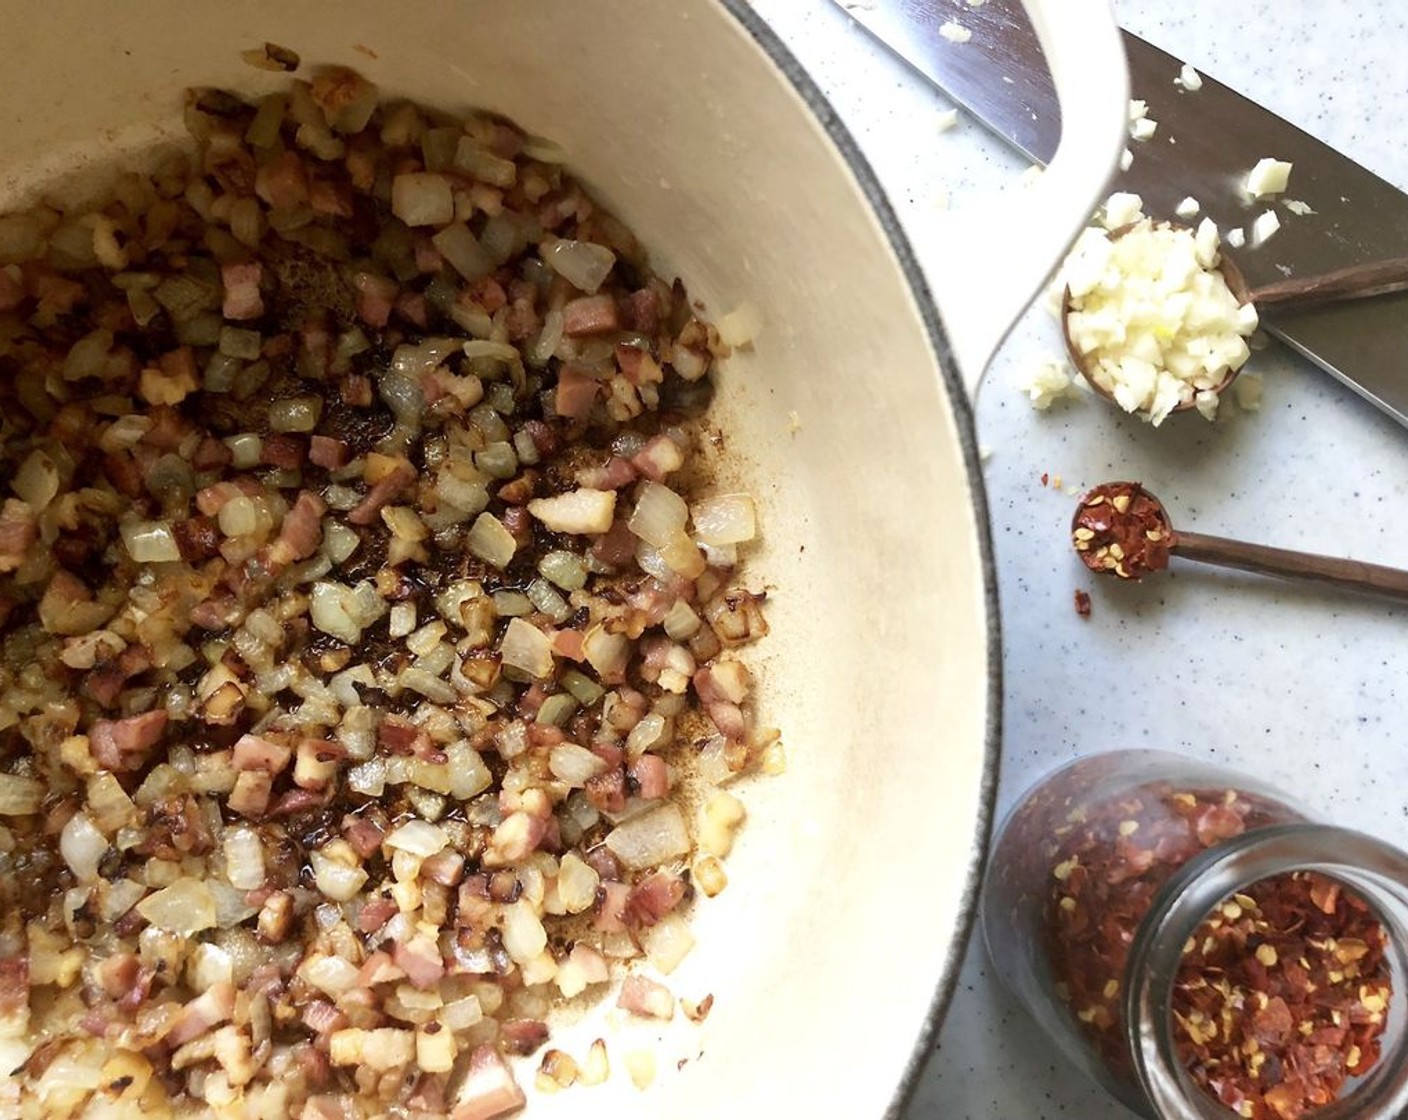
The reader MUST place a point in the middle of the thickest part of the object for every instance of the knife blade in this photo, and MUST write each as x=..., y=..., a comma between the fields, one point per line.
x=1205, y=143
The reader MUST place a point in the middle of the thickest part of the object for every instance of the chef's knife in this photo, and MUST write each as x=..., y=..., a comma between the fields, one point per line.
x=1205, y=143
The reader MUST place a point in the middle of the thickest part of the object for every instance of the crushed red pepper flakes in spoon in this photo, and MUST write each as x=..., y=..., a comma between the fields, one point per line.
x=1120, y=527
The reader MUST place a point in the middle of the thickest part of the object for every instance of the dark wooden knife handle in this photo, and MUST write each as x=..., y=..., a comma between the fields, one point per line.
x=1357, y=281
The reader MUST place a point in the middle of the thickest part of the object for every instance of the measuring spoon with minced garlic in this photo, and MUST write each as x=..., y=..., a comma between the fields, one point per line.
x=1156, y=315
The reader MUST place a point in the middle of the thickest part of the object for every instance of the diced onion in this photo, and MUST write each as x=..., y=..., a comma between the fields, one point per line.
x=526, y=647
x=607, y=653
x=427, y=684
x=244, y=858
x=645, y=734
x=476, y=349
x=211, y=965
x=724, y=519
x=461, y=1014
x=20, y=796
x=484, y=165
x=150, y=542
x=523, y=933
x=238, y=517
x=577, y=883
x=582, y=264
x=574, y=764
x=469, y=776
x=124, y=432
x=403, y=395
x=420, y=838
x=543, y=150
x=681, y=621
x=668, y=942
x=338, y=880
x=339, y=542
x=186, y=906
x=468, y=495
x=490, y=541
x=557, y=709
x=344, y=612
x=549, y=339
x=511, y=604
x=37, y=480
x=466, y=256
x=231, y=906
x=109, y=807
x=82, y=846
x=565, y=569
x=682, y=556
x=578, y=511
x=295, y=414
x=368, y=778
x=120, y=897
x=88, y=356
x=414, y=360
x=332, y=975
x=236, y=342
x=740, y=326
x=264, y=626
x=402, y=620
x=659, y=516
x=427, y=637
x=246, y=449
x=546, y=599
x=501, y=237
x=586, y=690
x=650, y=839
x=422, y=199
x=722, y=816
x=329, y=612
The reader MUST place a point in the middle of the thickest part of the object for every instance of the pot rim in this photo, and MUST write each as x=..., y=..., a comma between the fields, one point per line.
x=869, y=183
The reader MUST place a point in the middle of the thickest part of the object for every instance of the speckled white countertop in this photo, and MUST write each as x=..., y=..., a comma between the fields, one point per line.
x=1304, y=687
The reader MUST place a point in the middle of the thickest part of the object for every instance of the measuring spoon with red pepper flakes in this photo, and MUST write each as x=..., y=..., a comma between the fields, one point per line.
x=1121, y=529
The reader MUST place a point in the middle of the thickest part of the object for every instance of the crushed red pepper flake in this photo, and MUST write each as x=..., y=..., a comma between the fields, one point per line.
x=1120, y=527
x=1082, y=603
x=1284, y=991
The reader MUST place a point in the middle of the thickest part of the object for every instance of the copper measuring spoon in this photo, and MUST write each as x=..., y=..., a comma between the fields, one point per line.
x=1121, y=529
x=1356, y=281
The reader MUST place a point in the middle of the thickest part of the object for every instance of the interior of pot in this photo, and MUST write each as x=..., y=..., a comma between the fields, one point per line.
x=851, y=878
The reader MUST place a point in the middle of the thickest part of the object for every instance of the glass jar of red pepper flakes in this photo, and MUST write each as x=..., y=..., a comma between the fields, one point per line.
x=1200, y=945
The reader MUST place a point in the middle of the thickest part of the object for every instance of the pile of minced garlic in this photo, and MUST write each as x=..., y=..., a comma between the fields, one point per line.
x=1149, y=314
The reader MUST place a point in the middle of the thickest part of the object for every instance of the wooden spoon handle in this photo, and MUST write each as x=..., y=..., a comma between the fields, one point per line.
x=1264, y=560
x=1358, y=281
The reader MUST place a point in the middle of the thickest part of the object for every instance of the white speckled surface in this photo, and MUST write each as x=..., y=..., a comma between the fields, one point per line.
x=1303, y=686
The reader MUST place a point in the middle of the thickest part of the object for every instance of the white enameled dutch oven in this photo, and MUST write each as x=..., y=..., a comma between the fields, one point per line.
x=832, y=952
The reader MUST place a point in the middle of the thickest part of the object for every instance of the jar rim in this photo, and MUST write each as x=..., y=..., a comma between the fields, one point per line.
x=1373, y=869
